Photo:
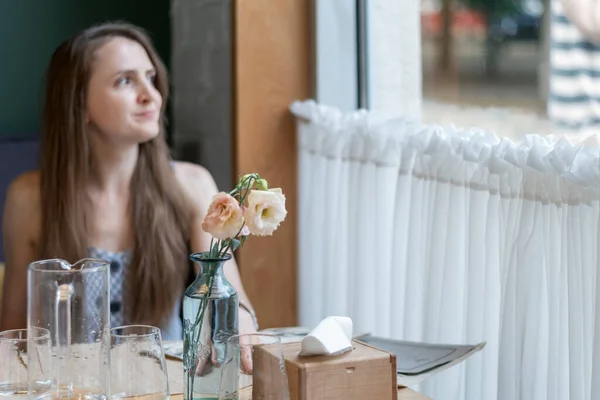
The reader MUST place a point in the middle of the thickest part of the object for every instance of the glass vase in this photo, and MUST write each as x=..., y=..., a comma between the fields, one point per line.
x=210, y=318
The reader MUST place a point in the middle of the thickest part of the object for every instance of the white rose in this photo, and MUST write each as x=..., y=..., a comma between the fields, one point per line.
x=266, y=210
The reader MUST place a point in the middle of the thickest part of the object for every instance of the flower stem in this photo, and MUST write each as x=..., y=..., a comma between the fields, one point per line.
x=194, y=345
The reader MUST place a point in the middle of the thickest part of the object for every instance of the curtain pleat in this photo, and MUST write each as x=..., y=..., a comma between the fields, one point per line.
x=446, y=235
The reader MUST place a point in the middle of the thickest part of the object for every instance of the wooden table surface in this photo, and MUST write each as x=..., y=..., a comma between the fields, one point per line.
x=175, y=371
x=403, y=394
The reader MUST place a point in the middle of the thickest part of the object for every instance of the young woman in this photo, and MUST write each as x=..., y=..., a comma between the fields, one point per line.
x=106, y=187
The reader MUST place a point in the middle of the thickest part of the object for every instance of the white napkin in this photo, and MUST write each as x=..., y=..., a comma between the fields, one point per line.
x=332, y=336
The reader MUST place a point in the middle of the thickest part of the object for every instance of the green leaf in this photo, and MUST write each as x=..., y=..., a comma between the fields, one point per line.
x=235, y=244
x=243, y=240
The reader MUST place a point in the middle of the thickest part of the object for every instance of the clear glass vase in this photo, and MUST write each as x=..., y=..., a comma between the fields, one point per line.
x=210, y=318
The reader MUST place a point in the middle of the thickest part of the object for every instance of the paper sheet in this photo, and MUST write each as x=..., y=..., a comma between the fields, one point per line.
x=416, y=361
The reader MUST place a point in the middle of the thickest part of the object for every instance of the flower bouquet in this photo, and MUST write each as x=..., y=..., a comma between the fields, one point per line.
x=210, y=303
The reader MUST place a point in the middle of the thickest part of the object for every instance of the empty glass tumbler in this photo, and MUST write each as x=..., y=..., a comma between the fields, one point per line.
x=254, y=369
x=26, y=368
x=138, y=365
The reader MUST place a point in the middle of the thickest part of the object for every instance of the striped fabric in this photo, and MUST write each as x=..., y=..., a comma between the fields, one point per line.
x=574, y=100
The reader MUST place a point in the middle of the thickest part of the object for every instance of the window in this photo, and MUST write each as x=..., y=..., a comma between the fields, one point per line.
x=462, y=62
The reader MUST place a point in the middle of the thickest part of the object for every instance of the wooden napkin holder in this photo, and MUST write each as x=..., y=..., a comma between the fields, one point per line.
x=363, y=373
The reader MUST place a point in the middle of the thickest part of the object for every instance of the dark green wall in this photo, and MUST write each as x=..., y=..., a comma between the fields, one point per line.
x=30, y=30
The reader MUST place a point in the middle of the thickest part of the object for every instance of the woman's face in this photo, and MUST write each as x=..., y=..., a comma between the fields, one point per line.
x=123, y=105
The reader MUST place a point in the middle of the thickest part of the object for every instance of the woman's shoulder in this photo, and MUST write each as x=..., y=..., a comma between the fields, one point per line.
x=187, y=172
x=197, y=182
x=25, y=189
x=22, y=205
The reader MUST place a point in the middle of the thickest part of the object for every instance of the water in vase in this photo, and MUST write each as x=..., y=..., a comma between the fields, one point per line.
x=208, y=323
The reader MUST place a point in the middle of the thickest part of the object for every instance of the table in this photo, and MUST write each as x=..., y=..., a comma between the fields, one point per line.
x=403, y=394
x=175, y=370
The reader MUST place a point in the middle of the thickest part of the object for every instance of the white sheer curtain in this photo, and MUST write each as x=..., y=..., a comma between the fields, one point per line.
x=436, y=234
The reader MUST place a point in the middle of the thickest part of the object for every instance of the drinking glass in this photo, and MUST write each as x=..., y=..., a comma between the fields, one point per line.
x=21, y=353
x=138, y=366
x=254, y=368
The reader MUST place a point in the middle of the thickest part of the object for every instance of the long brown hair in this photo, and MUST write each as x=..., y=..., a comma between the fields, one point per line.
x=159, y=209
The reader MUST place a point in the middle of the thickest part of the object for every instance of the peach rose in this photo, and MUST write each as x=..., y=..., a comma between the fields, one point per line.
x=224, y=217
x=266, y=210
